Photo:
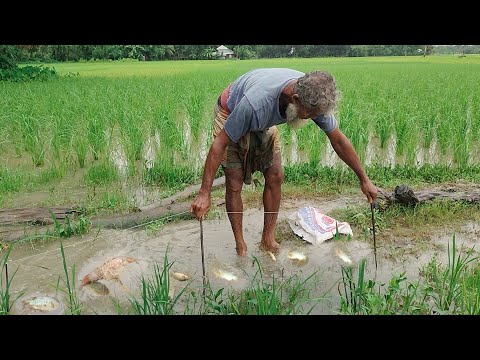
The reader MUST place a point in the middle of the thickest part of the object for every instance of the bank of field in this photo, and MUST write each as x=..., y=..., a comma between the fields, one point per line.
x=120, y=132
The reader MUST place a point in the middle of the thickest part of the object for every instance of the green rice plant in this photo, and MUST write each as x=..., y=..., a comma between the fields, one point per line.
x=311, y=141
x=429, y=129
x=445, y=128
x=280, y=297
x=355, y=125
x=166, y=124
x=32, y=140
x=448, y=283
x=194, y=104
x=96, y=136
x=70, y=227
x=69, y=288
x=10, y=180
x=261, y=297
x=365, y=297
x=463, y=142
x=6, y=302
x=111, y=201
x=133, y=131
x=207, y=301
x=402, y=133
x=166, y=172
x=101, y=173
x=156, y=297
x=470, y=292
x=50, y=174
x=382, y=119
x=81, y=148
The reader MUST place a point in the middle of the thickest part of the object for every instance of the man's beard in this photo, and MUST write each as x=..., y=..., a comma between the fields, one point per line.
x=292, y=117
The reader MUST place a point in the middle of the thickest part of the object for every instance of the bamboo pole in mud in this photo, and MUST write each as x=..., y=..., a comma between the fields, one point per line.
x=203, y=257
x=374, y=241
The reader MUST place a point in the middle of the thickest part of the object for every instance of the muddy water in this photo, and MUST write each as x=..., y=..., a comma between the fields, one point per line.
x=40, y=265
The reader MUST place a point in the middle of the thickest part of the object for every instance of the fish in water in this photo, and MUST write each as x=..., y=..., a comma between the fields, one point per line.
x=343, y=256
x=296, y=255
x=42, y=303
x=225, y=275
x=272, y=255
x=109, y=270
x=179, y=276
x=99, y=288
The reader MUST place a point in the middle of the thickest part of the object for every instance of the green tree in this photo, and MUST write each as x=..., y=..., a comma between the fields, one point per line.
x=8, y=56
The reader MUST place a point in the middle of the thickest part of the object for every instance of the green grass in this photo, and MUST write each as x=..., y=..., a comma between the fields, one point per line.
x=434, y=213
x=101, y=173
x=450, y=289
x=73, y=123
x=369, y=297
x=69, y=287
x=6, y=302
x=155, y=292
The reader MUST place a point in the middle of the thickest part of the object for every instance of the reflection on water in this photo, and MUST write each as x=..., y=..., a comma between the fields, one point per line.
x=118, y=157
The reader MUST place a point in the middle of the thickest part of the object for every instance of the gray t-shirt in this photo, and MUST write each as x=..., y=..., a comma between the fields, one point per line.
x=254, y=102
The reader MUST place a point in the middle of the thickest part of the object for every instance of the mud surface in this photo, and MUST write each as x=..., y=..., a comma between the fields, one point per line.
x=40, y=264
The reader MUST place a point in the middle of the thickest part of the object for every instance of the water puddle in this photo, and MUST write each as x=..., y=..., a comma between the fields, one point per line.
x=39, y=265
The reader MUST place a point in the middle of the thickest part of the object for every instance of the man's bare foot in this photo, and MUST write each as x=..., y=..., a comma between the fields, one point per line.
x=241, y=249
x=272, y=246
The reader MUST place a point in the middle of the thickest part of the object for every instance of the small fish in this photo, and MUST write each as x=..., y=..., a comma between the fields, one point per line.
x=42, y=303
x=225, y=275
x=343, y=256
x=99, y=288
x=179, y=276
x=109, y=270
x=296, y=255
x=272, y=255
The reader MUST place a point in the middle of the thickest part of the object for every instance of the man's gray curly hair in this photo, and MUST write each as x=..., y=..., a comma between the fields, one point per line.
x=317, y=91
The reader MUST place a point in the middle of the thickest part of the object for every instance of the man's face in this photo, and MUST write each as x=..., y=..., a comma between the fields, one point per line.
x=293, y=117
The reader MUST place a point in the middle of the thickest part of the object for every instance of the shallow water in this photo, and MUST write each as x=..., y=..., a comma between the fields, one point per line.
x=39, y=265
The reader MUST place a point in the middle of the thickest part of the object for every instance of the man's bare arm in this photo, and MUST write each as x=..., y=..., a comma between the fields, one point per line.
x=201, y=204
x=343, y=147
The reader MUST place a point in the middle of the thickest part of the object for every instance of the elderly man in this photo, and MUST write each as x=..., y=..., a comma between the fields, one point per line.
x=246, y=140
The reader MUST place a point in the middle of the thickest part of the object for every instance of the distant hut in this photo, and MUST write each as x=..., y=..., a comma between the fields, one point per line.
x=224, y=53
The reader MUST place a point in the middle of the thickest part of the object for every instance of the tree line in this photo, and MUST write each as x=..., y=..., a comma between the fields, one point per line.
x=59, y=53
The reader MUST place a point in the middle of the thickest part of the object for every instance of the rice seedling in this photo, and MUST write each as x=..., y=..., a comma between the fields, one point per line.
x=10, y=180
x=6, y=302
x=278, y=297
x=369, y=297
x=96, y=137
x=450, y=285
x=81, y=148
x=69, y=288
x=70, y=118
x=157, y=297
x=101, y=173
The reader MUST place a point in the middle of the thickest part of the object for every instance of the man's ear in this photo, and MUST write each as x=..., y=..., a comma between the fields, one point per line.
x=296, y=99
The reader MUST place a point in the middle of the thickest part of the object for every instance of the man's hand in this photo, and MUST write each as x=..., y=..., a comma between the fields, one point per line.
x=369, y=190
x=201, y=205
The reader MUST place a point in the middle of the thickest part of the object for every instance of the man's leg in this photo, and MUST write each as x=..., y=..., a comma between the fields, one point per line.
x=233, y=200
x=271, y=203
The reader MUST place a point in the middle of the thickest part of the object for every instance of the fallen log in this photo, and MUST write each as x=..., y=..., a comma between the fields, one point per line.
x=157, y=210
x=406, y=196
x=17, y=223
x=34, y=216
